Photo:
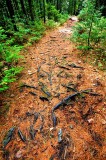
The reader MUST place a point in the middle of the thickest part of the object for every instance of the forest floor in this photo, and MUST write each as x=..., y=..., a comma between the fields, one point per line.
x=76, y=130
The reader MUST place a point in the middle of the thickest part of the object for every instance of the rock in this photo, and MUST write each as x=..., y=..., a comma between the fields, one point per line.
x=12, y=95
x=79, y=62
x=18, y=154
x=51, y=128
x=90, y=121
x=29, y=72
x=74, y=18
x=71, y=126
x=103, y=122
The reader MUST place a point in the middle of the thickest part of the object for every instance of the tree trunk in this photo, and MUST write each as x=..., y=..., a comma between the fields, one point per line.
x=22, y=6
x=60, y=6
x=24, y=11
x=57, y=5
x=89, y=33
x=11, y=12
x=44, y=12
x=74, y=11
x=31, y=9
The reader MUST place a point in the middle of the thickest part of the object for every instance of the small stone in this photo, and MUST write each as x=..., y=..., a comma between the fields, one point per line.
x=12, y=95
x=79, y=62
x=19, y=154
x=29, y=72
x=103, y=122
x=51, y=128
x=71, y=126
x=91, y=120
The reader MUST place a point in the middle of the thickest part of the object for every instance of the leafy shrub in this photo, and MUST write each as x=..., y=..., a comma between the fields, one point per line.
x=34, y=39
x=38, y=29
x=52, y=12
x=8, y=76
x=62, y=18
x=50, y=24
x=38, y=26
x=8, y=58
x=90, y=32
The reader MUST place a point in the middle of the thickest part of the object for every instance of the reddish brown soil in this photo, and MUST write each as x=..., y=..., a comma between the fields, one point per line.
x=83, y=120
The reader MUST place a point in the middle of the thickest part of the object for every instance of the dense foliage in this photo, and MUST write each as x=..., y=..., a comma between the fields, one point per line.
x=24, y=22
x=90, y=32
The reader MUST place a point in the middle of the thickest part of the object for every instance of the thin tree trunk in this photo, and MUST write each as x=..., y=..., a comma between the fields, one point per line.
x=57, y=5
x=44, y=11
x=11, y=12
x=89, y=33
x=74, y=12
x=24, y=11
x=60, y=6
x=31, y=9
x=22, y=6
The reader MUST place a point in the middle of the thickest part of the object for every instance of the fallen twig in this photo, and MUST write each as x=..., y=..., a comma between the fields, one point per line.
x=70, y=88
x=8, y=137
x=64, y=67
x=44, y=98
x=41, y=126
x=35, y=117
x=32, y=132
x=46, y=92
x=22, y=137
x=32, y=93
x=28, y=86
x=54, y=119
x=64, y=101
x=75, y=66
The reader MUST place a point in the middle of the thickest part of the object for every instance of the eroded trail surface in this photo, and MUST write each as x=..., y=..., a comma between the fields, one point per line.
x=76, y=129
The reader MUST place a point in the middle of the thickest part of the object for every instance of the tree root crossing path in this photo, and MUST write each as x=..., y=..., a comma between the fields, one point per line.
x=57, y=106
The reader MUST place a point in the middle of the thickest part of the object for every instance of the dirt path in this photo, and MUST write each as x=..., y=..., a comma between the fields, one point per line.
x=50, y=75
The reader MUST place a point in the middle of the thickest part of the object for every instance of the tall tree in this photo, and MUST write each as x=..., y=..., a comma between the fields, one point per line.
x=44, y=11
x=30, y=2
x=24, y=11
x=11, y=12
x=23, y=7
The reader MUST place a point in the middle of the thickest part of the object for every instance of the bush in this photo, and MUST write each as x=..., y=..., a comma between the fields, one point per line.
x=9, y=55
x=50, y=24
x=52, y=12
x=8, y=76
x=63, y=18
x=90, y=32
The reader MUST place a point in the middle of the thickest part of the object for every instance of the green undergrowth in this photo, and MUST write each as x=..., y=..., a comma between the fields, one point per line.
x=61, y=19
x=12, y=42
x=90, y=33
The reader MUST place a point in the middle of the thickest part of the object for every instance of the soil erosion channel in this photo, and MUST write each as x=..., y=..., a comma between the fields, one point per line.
x=57, y=107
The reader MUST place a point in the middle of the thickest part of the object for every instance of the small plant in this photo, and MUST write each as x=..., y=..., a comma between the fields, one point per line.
x=9, y=56
x=52, y=12
x=63, y=18
x=50, y=24
x=8, y=76
x=90, y=32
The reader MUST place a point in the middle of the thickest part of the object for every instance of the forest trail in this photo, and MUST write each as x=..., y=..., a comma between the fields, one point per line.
x=53, y=70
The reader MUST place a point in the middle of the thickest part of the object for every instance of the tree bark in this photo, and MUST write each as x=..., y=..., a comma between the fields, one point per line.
x=44, y=11
x=11, y=12
x=22, y=6
x=31, y=9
